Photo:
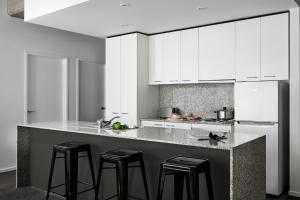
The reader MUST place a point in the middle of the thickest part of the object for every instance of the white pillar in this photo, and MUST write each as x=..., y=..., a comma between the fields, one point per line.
x=294, y=102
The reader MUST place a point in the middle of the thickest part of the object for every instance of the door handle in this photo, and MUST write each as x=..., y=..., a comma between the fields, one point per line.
x=270, y=76
x=252, y=76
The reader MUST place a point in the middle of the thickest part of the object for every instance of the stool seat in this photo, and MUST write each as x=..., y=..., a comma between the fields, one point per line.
x=68, y=146
x=181, y=162
x=122, y=154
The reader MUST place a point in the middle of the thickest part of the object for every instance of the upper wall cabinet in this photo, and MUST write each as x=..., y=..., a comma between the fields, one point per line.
x=217, y=52
x=172, y=57
x=248, y=50
x=275, y=47
x=156, y=59
x=189, y=56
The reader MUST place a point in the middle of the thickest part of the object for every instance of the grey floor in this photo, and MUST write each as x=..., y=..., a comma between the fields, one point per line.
x=8, y=191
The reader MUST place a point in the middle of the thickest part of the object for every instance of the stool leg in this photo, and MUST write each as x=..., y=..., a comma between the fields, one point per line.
x=144, y=178
x=67, y=177
x=209, y=183
x=73, y=175
x=123, y=180
x=194, y=185
x=161, y=183
x=118, y=180
x=92, y=170
x=178, y=186
x=188, y=190
x=51, y=172
x=99, y=176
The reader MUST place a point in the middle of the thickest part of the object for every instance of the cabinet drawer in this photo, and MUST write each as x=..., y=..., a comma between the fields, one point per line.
x=211, y=127
x=178, y=125
x=153, y=124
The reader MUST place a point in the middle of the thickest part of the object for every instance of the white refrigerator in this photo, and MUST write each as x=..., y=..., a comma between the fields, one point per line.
x=263, y=107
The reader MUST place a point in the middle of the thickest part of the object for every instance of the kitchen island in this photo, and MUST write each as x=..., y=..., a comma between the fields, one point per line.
x=238, y=163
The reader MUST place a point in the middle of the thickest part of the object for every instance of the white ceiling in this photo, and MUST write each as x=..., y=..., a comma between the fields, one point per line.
x=102, y=18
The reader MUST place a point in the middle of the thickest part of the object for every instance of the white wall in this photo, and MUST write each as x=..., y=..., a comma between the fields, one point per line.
x=294, y=102
x=16, y=37
x=37, y=8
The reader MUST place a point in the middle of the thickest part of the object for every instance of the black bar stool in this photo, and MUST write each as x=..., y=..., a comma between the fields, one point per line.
x=185, y=168
x=121, y=158
x=70, y=151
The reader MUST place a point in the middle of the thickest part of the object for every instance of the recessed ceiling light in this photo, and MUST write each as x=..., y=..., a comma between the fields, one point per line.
x=125, y=4
x=200, y=8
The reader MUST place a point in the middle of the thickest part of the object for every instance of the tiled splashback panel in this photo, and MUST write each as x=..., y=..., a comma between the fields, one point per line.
x=200, y=99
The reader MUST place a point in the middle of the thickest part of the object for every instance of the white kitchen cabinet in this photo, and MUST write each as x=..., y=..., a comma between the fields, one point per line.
x=275, y=47
x=128, y=85
x=127, y=93
x=189, y=56
x=248, y=50
x=172, y=57
x=217, y=52
x=113, y=77
x=156, y=59
x=146, y=123
x=227, y=128
x=166, y=124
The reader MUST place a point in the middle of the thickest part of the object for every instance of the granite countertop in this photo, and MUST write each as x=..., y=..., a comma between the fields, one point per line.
x=229, y=122
x=162, y=135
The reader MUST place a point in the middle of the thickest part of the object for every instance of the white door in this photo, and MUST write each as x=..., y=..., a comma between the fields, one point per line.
x=189, y=56
x=217, y=52
x=90, y=91
x=156, y=59
x=113, y=77
x=273, y=173
x=129, y=79
x=172, y=58
x=275, y=47
x=248, y=50
x=46, y=89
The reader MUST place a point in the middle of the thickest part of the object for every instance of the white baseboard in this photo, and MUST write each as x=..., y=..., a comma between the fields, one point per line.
x=294, y=193
x=8, y=169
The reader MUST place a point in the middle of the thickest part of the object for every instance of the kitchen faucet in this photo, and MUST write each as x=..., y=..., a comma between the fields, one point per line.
x=104, y=124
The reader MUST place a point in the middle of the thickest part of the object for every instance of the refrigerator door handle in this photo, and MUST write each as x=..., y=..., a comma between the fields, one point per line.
x=256, y=123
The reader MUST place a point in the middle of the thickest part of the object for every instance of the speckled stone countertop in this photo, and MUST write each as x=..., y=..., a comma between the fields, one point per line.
x=162, y=135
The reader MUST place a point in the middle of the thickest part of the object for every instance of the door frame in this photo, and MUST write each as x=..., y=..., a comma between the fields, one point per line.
x=77, y=65
x=65, y=89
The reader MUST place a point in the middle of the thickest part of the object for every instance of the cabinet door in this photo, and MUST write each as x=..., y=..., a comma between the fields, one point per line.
x=153, y=124
x=186, y=126
x=112, y=77
x=275, y=47
x=172, y=57
x=217, y=52
x=129, y=79
x=189, y=56
x=156, y=59
x=248, y=50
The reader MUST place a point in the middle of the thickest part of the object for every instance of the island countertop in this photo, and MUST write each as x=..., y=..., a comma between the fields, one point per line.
x=161, y=135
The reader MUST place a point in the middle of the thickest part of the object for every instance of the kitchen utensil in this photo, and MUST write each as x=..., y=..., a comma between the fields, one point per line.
x=225, y=114
x=165, y=112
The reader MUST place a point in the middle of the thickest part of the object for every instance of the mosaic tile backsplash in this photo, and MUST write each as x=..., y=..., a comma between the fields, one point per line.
x=200, y=99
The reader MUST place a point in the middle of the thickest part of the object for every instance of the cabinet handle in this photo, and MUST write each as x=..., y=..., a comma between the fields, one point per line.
x=115, y=113
x=157, y=124
x=270, y=76
x=252, y=76
x=186, y=80
x=173, y=80
x=124, y=113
